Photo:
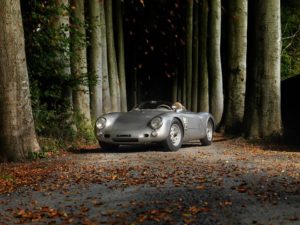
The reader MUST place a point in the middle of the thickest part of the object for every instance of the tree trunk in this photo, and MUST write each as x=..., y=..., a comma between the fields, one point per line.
x=81, y=97
x=262, y=107
x=17, y=136
x=179, y=83
x=236, y=77
x=183, y=91
x=105, y=84
x=112, y=61
x=60, y=23
x=175, y=86
x=135, y=88
x=183, y=78
x=121, y=55
x=195, y=57
x=189, y=53
x=215, y=71
x=95, y=57
x=203, y=89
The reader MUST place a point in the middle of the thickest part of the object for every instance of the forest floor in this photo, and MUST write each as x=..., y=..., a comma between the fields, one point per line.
x=229, y=182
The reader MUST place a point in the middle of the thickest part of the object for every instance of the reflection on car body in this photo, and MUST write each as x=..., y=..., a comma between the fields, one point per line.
x=154, y=122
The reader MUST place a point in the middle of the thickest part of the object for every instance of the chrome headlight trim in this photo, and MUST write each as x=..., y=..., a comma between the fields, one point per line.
x=100, y=123
x=156, y=123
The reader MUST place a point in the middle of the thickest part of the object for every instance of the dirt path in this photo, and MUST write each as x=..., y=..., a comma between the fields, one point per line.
x=229, y=182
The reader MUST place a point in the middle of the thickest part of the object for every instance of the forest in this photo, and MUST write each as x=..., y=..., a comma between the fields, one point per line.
x=63, y=63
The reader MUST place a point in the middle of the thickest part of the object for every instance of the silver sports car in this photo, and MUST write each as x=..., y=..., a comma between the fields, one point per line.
x=154, y=122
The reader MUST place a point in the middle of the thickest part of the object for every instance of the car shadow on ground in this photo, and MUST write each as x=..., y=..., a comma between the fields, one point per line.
x=121, y=149
x=142, y=148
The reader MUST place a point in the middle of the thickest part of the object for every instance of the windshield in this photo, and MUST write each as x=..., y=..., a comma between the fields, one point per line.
x=155, y=105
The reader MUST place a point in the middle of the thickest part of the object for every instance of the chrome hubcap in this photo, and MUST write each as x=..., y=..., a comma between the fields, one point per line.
x=209, y=131
x=175, y=134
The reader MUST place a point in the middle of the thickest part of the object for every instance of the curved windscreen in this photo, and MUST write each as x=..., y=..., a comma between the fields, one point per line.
x=155, y=105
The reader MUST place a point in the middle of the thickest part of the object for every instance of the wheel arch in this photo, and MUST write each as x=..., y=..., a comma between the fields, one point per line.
x=206, y=117
x=181, y=123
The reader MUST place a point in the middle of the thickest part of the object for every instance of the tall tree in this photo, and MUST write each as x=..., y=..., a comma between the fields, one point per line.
x=175, y=88
x=60, y=24
x=112, y=60
x=106, y=98
x=121, y=55
x=81, y=97
x=215, y=70
x=236, y=71
x=17, y=136
x=195, y=57
x=95, y=56
x=203, y=89
x=262, y=106
x=189, y=52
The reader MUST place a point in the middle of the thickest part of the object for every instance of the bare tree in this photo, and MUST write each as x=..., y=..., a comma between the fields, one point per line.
x=60, y=24
x=236, y=71
x=121, y=55
x=17, y=136
x=215, y=71
x=195, y=60
x=262, y=106
x=112, y=60
x=106, y=98
x=189, y=52
x=81, y=97
x=203, y=89
x=95, y=62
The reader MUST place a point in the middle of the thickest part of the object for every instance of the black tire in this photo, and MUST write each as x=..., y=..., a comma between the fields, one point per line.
x=208, y=139
x=108, y=147
x=173, y=141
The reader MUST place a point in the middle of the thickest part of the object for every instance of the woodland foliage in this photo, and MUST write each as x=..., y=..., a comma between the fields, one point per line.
x=47, y=75
x=44, y=44
x=291, y=38
x=172, y=51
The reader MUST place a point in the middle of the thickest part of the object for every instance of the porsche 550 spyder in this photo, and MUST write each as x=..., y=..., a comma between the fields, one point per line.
x=154, y=122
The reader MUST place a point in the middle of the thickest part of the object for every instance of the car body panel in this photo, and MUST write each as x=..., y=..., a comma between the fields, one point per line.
x=133, y=127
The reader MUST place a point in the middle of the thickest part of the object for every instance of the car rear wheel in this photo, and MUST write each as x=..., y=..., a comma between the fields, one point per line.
x=208, y=139
x=175, y=136
x=108, y=147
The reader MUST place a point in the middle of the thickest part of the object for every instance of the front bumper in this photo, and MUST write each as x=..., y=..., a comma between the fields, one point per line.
x=125, y=137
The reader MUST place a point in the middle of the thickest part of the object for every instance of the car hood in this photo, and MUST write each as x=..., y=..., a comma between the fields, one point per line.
x=135, y=119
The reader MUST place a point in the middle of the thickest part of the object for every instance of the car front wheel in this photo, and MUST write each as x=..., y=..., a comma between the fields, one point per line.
x=175, y=136
x=208, y=139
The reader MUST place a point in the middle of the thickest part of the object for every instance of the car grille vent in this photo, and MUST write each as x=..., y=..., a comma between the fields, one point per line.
x=124, y=139
x=124, y=135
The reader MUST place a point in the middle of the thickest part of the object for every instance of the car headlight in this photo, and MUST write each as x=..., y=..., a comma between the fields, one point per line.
x=100, y=123
x=156, y=122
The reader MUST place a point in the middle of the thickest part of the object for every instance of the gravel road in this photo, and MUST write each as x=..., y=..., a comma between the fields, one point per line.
x=229, y=182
